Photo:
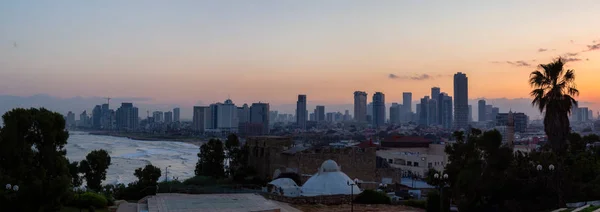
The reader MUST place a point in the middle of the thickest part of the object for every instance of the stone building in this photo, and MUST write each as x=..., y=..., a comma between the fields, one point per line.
x=271, y=155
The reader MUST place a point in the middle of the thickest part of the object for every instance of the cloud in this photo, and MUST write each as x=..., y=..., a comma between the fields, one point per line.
x=594, y=47
x=571, y=59
x=570, y=54
x=417, y=77
x=519, y=63
x=542, y=50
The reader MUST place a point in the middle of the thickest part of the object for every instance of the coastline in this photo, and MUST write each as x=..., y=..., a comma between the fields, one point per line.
x=142, y=137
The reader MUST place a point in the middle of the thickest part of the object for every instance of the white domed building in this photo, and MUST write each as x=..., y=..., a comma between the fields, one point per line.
x=330, y=180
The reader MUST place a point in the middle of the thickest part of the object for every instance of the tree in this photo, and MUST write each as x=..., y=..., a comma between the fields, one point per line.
x=32, y=156
x=210, y=159
x=94, y=168
x=554, y=89
x=148, y=175
x=76, y=180
x=232, y=142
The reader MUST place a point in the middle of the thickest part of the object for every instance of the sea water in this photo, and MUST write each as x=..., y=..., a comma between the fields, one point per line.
x=128, y=155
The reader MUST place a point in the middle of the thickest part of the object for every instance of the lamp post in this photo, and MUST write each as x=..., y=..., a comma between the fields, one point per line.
x=442, y=183
x=167, y=173
x=551, y=168
x=352, y=184
x=11, y=190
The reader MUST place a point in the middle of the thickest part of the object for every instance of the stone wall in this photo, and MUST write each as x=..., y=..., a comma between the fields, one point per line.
x=324, y=200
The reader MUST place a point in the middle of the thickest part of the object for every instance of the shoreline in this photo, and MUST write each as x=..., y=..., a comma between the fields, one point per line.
x=140, y=137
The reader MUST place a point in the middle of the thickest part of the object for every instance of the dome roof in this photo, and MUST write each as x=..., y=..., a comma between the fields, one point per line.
x=329, y=166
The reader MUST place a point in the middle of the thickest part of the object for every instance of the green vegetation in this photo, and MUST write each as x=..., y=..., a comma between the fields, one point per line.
x=372, y=197
x=94, y=168
x=590, y=209
x=210, y=159
x=90, y=199
x=416, y=203
x=148, y=175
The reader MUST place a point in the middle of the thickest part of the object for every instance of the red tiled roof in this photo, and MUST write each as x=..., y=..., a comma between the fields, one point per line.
x=366, y=144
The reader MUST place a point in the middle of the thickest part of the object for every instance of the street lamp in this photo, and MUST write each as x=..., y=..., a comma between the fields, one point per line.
x=11, y=190
x=352, y=184
x=551, y=168
x=442, y=183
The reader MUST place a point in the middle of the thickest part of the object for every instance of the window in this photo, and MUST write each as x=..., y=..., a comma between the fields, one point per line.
x=415, y=164
x=409, y=163
x=429, y=165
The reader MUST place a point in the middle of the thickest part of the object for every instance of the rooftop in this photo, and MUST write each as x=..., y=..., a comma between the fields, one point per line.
x=214, y=203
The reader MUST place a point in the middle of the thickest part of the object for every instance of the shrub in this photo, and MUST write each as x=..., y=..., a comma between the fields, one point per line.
x=200, y=180
x=372, y=197
x=433, y=201
x=416, y=203
x=88, y=199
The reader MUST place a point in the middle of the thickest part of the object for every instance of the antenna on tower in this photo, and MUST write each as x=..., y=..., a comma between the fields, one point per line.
x=107, y=100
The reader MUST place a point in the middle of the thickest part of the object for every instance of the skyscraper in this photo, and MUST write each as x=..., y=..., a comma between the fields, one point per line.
x=470, y=114
x=360, y=106
x=446, y=111
x=395, y=113
x=435, y=116
x=481, y=117
x=432, y=112
x=243, y=114
x=424, y=111
x=301, y=113
x=168, y=117
x=70, y=119
x=407, y=106
x=227, y=116
x=259, y=114
x=320, y=113
x=378, y=109
x=97, y=117
x=461, y=101
x=176, y=114
x=201, y=116
x=127, y=117
x=158, y=116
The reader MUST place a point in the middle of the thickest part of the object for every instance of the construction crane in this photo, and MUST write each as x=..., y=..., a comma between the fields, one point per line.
x=107, y=100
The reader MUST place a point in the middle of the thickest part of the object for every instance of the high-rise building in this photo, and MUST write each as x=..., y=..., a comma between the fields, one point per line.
x=488, y=113
x=434, y=115
x=243, y=113
x=70, y=119
x=330, y=117
x=176, y=114
x=395, y=113
x=127, y=117
x=360, y=106
x=481, y=117
x=407, y=107
x=461, y=101
x=347, y=116
x=301, y=112
x=227, y=119
x=432, y=112
x=378, y=110
x=446, y=111
x=424, y=111
x=495, y=112
x=168, y=117
x=97, y=117
x=320, y=113
x=201, y=118
x=520, y=121
x=158, y=116
x=470, y=114
x=259, y=114
x=84, y=120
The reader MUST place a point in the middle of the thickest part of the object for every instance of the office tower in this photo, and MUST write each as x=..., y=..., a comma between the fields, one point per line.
x=488, y=112
x=259, y=114
x=461, y=101
x=301, y=113
x=446, y=111
x=418, y=113
x=378, y=109
x=168, y=117
x=583, y=114
x=424, y=111
x=70, y=121
x=481, y=117
x=432, y=112
x=127, y=117
x=158, y=116
x=407, y=106
x=520, y=121
x=360, y=106
x=83, y=119
x=347, y=116
x=470, y=115
x=435, y=95
x=273, y=116
x=320, y=113
x=97, y=117
x=330, y=117
x=227, y=119
x=243, y=114
x=395, y=113
x=591, y=115
x=312, y=117
x=495, y=112
x=176, y=114
x=201, y=118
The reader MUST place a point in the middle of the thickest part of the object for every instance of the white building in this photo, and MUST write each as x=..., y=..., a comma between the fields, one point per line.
x=227, y=116
x=330, y=180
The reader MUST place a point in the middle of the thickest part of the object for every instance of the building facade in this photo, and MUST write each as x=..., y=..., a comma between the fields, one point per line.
x=176, y=114
x=481, y=117
x=200, y=119
x=461, y=101
x=378, y=109
x=360, y=106
x=301, y=112
x=259, y=114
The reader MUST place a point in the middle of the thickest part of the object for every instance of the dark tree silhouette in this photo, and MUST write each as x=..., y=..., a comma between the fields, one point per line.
x=94, y=168
x=148, y=175
x=210, y=159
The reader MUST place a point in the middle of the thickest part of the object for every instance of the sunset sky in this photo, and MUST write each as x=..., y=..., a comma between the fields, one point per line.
x=182, y=52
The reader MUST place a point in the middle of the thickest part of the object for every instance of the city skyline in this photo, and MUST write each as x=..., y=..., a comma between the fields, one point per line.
x=350, y=46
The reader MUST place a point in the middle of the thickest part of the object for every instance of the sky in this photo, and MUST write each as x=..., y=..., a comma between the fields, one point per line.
x=199, y=52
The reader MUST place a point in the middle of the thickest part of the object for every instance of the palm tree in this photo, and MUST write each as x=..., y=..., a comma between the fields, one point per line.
x=553, y=92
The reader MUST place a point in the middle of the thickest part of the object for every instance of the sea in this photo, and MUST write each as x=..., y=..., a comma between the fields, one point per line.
x=127, y=155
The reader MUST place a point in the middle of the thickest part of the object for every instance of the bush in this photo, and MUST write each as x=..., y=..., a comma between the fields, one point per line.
x=433, y=201
x=200, y=180
x=416, y=203
x=88, y=199
x=372, y=197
